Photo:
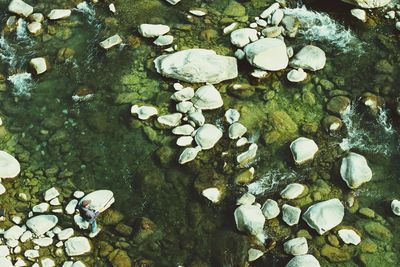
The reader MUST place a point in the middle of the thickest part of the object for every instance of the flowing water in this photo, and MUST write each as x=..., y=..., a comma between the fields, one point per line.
x=92, y=142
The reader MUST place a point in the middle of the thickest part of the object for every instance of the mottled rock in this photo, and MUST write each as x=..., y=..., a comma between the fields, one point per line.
x=40, y=224
x=207, y=97
x=292, y=191
x=77, y=246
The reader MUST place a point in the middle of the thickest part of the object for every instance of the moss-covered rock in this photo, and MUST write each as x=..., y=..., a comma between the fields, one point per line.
x=119, y=258
x=377, y=230
x=334, y=254
x=338, y=104
x=235, y=9
x=283, y=128
x=111, y=217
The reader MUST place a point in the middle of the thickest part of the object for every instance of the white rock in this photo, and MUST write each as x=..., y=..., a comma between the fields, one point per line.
x=296, y=76
x=40, y=224
x=41, y=208
x=243, y=37
x=259, y=74
x=183, y=94
x=2, y=189
x=254, y=254
x=112, y=8
x=65, y=234
x=50, y=233
x=80, y=222
x=270, y=209
x=309, y=58
x=4, y=262
x=231, y=27
x=100, y=199
x=51, y=193
x=277, y=17
x=239, y=54
x=9, y=166
x=39, y=64
x=272, y=32
x=292, y=191
x=189, y=154
x=246, y=157
x=56, y=14
x=20, y=263
x=55, y=202
x=324, y=215
x=164, y=40
x=31, y=253
x=232, y=115
x=395, y=205
x=184, y=106
x=171, y=120
x=267, y=54
x=349, y=236
x=71, y=206
x=16, y=219
x=368, y=3
x=197, y=117
x=78, y=194
x=78, y=264
x=4, y=251
x=36, y=17
x=261, y=23
x=77, y=246
x=185, y=129
x=59, y=244
x=47, y=262
x=153, y=30
x=207, y=136
x=397, y=25
x=43, y=242
x=267, y=12
x=303, y=261
x=355, y=170
x=34, y=27
x=359, y=14
x=303, y=150
x=184, y=141
x=14, y=232
x=296, y=246
x=173, y=2
x=213, y=194
x=290, y=51
x=249, y=218
x=111, y=42
x=246, y=199
x=27, y=235
x=207, y=97
x=290, y=214
x=17, y=250
x=12, y=243
x=197, y=66
x=56, y=230
x=178, y=86
x=198, y=13
x=236, y=130
x=144, y=112
x=21, y=8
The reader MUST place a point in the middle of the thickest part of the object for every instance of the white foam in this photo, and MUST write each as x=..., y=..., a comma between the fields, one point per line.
x=22, y=83
x=87, y=9
x=270, y=181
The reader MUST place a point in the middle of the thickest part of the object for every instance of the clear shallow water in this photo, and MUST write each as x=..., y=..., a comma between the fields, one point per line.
x=105, y=148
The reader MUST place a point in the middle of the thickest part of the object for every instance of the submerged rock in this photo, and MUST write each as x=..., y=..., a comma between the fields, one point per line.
x=207, y=136
x=20, y=8
x=368, y=3
x=197, y=66
x=355, y=170
x=332, y=123
x=296, y=246
x=249, y=218
x=338, y=105
x=254, y=254
x=324, y=215
x=303, y=261
x=189, y=154
x=303, y=150
x=309, y=58
x=56, y=14
x=111, y=42
x=39, y=65
x=9, y=166
x=153, y=30
x=244, y=36
x=267, y=54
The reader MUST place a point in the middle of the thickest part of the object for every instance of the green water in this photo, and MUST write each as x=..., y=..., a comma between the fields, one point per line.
x=97, y=144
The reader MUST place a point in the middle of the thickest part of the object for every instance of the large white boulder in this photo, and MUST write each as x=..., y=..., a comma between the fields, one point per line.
x=303, y=150
x=197, y=66
x=303, y=261
x=111, y=41
x=355, y=170
x=20, y=8
x=207, y=136
x=267, y=54
x=9, y=166
x=249, y=218
x=324, y=215
x=40, y=224
x=368, y=3
x=309, y=57
x=153, y=30
x=76, y=246
x=207, y=97
x=296, y=246
x=56, y=14
x=244, y=36
x=100, y=199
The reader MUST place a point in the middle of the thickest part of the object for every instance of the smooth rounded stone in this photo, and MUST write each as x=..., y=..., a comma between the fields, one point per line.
x=78, y=264
x=76, y=246
x=31, y=253
x=197, y=66
x=100, y=199
x=244, y=36
x=185, y=129
x=213, y=194
x=55, y=202
x=4, y=251
x=20, y=8
x=71, y=206
x=171, y=120
x=232, y=115
x=338, y=105
x=246, y=199
x=272, y=32
x=189, y=154
x=207, y=136
x=47, y=262
x=395, y=205
x=39, y=64
x=9, y=166
x=17, y=250
x=349, y=236
x=207, y=97
x=269, y=11
x=16, y=219
x=41, y=208
x=50, y=233
x=259, y=74
x=277, y=17
x=309, y=58
x=34, y=27
x=27, y=235
x=246, y=157
x=397, y=25
x=4, y=262
x=261, y=23
x=111, y=42
x=296, y=76
x=290, y=214
x=359, y=14
x=112, y=8
x=14, y=232
x=231, y=27
x=270, y=209
x=241, y=141
x=198, y=13
x=237, y=130
x=197, y=117
x=36, y=17
x=164, y=40
x=239, y=54
x=324, y=215
x=65, y=234
x=58, y=210
x=292, y=191
x=355, y=170
x=43, y=242
x=153, y=30
x=184, y=141
x=368, y=3
x=249, y=218
x=267, y=54
x=19, y=262
x=56, y=14
x=56, y=230
x=51, y=193
x=80, y=222
x=40, y=224
x=144, y=112
x=303, y=150
x=254, y=254
x=183, y=94
x=290, y=52
x=184, y=106
x=78, y=194
x=2, y=189
x=296, y=246
x=303, y=261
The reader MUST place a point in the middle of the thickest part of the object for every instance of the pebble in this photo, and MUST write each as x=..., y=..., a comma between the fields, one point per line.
x=51, y=193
